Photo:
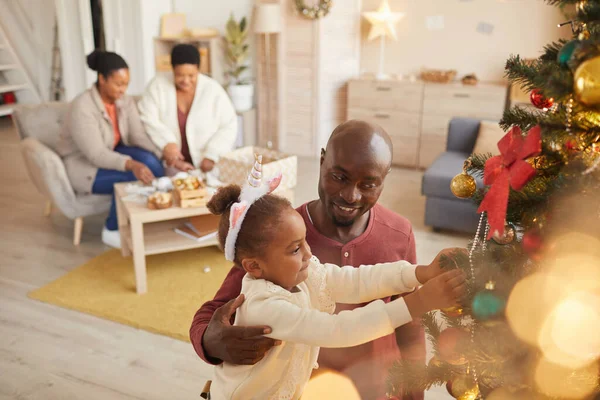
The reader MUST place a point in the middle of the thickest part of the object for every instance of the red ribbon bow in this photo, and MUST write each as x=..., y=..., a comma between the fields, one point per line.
x=509, y=168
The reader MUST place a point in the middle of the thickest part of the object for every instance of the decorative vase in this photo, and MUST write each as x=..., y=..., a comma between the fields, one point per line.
x=242, y=96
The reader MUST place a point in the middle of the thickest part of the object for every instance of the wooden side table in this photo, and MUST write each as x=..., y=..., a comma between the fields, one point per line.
x=145, y=232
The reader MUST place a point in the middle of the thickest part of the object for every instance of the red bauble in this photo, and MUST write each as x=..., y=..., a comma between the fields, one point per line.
x=9, y=98
x=572, y=146
x=532, y=243
x=539, y=101
x=447, y=343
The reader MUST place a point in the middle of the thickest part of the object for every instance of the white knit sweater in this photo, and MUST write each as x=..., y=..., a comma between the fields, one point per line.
x=304, y=321
x=211, y=127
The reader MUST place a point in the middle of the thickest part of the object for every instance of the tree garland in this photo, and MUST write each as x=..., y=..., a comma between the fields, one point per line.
x=314, y=12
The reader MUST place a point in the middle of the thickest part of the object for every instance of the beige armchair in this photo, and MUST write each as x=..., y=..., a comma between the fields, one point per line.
x=39, y=128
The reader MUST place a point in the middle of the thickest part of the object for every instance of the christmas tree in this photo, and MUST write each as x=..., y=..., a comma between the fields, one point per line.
x=529, y=327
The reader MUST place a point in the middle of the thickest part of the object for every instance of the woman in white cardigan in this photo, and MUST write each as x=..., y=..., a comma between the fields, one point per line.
x=188, y=115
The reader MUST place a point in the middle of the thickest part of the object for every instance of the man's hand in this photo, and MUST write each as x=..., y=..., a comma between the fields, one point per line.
x=428, y=272
x=207, y=165
x=443, y=291
x=238, y=345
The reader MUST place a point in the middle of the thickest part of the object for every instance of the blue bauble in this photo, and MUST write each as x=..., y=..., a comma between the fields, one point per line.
x=487, y=304
x=565, y=54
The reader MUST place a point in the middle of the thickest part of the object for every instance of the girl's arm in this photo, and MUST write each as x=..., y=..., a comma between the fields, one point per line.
x=316, y=328
x=368, y=282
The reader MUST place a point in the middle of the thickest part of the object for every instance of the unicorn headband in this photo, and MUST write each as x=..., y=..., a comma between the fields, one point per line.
x=252, y=190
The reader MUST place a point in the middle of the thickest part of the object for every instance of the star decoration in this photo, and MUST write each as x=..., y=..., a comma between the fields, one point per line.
x=383, y=21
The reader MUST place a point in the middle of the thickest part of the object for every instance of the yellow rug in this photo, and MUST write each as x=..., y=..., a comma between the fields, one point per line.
x=177, y=287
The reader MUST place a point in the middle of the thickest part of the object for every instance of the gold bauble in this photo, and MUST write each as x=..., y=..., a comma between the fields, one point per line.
x=506, y=237
x=454, y=311
x=435, y=362
x=584, y=35
x=587, y=82
x=463, y=185
x=464, y=388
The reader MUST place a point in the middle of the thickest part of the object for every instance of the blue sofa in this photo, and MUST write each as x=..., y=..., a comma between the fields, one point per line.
x=443, y=210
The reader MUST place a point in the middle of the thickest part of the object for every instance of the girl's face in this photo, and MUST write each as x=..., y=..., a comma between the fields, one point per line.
x=286, y=258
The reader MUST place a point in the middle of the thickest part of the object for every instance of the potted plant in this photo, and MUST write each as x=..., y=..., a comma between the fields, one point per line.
x=240, y=89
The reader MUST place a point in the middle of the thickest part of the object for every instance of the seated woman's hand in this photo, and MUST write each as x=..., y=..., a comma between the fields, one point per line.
x=182, y=165
x=140, y=171
x=427, y=272
x=172, y=154
x=207, y=165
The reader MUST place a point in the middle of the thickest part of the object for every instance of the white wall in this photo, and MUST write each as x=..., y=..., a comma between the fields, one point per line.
x=150, y=28
x=130, y=28
x=76, y=42
x=520, y=27
x=214, y=14
x=29, y=25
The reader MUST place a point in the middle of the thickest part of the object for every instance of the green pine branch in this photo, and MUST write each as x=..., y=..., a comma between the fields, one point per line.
x=521, y=117
x=547, y=76
x=409, y=376
x=432, y=329
x=590, y=12
x=551, y=50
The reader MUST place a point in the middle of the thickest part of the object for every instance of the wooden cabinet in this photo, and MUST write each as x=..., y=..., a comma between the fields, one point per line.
x=312, y=61
x=394, y=105
x=416, y=114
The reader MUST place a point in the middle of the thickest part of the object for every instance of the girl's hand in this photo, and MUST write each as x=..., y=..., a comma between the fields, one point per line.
x=427, y=272
x=443, y=291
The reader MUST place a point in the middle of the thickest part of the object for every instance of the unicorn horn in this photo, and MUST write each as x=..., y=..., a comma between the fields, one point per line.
x=255, y=176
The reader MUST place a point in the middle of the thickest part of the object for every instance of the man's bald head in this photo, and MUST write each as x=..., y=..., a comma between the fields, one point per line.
x=360, y=137
x=353, y=170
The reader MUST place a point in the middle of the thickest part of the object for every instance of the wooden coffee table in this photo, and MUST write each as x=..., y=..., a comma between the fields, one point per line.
x=145, y=232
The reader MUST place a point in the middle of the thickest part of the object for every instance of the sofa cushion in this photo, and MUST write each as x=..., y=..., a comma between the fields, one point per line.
x=489, y=135
x=436, y=180
x=41, y=121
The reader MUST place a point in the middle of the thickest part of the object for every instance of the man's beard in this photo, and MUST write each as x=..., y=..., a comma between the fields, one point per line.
x=342, y=224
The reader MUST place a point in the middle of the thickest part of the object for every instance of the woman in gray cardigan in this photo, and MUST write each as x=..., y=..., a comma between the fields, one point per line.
x=104, y=141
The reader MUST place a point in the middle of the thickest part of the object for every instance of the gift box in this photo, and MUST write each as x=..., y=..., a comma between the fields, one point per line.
x=190, y=192
x=235, y=166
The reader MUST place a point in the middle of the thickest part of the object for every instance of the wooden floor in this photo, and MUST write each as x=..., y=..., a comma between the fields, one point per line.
x=51, y=353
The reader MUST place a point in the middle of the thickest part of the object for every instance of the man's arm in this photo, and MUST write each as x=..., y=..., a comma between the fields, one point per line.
x=216, y=340
x=230, y=289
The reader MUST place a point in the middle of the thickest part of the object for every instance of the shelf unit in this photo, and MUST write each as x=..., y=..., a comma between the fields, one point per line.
x=211, y=54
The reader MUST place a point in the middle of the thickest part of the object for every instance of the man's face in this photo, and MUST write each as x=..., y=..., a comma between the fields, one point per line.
x=350, y=182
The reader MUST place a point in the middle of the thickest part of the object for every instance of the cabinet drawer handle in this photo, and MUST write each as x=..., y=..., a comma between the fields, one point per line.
x=462, y=95
x=382, y=116
x=383, y=88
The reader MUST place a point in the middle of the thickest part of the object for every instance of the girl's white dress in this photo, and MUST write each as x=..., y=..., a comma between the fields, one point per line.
x=304, y=321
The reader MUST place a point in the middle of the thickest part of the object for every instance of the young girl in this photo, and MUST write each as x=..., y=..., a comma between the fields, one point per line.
x=288, y=289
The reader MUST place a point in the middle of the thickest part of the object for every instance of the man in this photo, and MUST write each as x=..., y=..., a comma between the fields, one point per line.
x=345, y=226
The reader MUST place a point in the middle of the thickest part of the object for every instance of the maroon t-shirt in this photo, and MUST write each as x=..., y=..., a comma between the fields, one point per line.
x=388, y=237
x=185, y=149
